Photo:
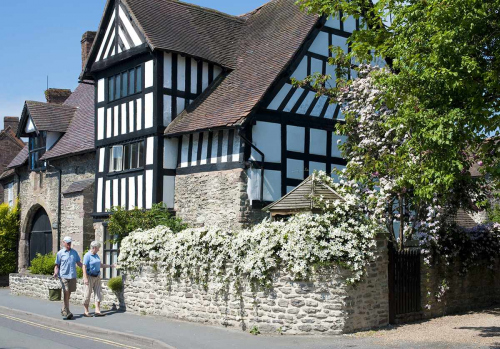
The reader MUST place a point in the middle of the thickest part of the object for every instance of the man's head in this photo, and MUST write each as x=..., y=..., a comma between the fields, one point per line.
x=67, y=243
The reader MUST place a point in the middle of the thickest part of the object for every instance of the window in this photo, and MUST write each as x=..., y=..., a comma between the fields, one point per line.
x=10, y=194
x=36, y=150
x=126, y=157
x=125, y=84
x=110, y=255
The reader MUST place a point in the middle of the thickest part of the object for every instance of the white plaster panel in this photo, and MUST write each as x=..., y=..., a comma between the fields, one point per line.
x=272, y=185
x=52, y=138
x=350, y=24
x=340, y=41
x=319, y=106
x=121, y=34
x=333, y=174
x=320, y=44
x=30, y=126
x=316, y=166
x=225, y=144
x=139, y=191
x=99, y=195
x=109, y=123
x=131, y=116
x=150, y=150
x=204, y=81
x=181, y=103
x=295, y=97
x=148, y=74
x=181, y=73
x=311, y=96
x=168, y=191
x=167, y=70
x=194, y=76
x=317, y=143
x=330, y=70
x=253, y=184
x=109, y=49
x=215, y=145
x=139, y=114
x=295, y=169
x=340, y=116
x=330, y=111
x=102, y=153
x=148, y=110
x=115, y=192
x=116, y=130
x=280, y=96
x=107, y=199
x=336, y=141
x=100, y=90
x=289, y=189
x=301, y=71
x=130, y=29
x=123, y=202
x=333, y=22
x=149, y=189
x=204, y=149
x=131, y=193
x=217, y=71
x=194, y=151
x=316, y=66
x=124, y=118
x=170, y=146
x=185, y=151
x=266, y=136
x=167, y=110
x=295, y=138
x=108, y=29
x=119, y=49
x=236, y=147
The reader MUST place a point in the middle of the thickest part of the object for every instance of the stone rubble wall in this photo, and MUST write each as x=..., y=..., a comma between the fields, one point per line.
x=221, y=199
x=26, y=284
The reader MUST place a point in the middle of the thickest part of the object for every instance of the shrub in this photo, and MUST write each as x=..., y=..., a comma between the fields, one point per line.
x=122, y=221
x=9, y=231
x=43, y=264
x=115, y=284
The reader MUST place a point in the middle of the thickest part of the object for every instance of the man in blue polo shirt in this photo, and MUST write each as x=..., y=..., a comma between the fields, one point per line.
x=65, y=268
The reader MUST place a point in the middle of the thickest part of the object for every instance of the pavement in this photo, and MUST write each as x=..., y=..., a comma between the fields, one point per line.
x=149, y=331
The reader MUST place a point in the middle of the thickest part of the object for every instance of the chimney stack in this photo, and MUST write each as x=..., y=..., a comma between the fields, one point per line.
x=57, y=95
x=87, y=41
x=12, y=121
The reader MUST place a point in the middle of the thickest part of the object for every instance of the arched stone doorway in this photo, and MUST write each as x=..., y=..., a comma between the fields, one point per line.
x=41, y=234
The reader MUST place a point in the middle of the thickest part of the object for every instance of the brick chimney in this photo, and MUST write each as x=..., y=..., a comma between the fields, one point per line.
x=12, y=121
x=57, y=95
x=87, y=41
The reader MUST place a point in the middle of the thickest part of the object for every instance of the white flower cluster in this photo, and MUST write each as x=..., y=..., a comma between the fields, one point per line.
x=342, y=236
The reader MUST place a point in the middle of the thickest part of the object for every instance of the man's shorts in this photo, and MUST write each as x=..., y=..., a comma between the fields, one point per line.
x=68, y=284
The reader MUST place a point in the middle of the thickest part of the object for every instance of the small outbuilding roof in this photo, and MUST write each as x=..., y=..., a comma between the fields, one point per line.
x=79, y=186
x=301, y=197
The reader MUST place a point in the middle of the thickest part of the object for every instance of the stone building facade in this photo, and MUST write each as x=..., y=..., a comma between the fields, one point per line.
x=10, y=145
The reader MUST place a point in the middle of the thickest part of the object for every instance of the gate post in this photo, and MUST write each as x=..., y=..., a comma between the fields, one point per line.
x=392, y=299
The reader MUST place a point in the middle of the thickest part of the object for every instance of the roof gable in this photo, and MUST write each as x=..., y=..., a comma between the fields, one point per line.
x=45, y=117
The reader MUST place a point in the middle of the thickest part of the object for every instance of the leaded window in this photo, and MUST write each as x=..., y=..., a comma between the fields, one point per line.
x=126, y=157
x=37, y=147
x=125, y=84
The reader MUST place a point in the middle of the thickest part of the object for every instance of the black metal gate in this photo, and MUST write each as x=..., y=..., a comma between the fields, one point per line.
x=41, y=234
x=404, y=282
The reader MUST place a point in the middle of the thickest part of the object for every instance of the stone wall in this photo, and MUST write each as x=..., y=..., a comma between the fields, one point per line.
x=326, y=305
x=40, y=190
x=26, y=284
x=217, y=198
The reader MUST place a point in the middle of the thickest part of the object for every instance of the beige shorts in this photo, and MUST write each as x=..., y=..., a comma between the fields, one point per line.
x=68, y=284
x=95, y=286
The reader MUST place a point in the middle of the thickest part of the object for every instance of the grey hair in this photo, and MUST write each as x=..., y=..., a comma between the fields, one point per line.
x=95, y=244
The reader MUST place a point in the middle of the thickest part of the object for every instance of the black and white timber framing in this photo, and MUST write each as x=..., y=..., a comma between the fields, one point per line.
x=294, y=129
x=137, y=95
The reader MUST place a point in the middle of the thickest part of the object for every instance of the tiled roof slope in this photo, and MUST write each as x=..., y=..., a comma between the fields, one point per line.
x=50, y=117
x=20, y=158
x=79, y=186
x=12, y=136
x=186, y=28
x=79, y=137
x=6, y=174
x=271, y=37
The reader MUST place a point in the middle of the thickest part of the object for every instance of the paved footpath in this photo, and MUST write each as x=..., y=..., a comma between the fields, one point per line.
x=157, y=332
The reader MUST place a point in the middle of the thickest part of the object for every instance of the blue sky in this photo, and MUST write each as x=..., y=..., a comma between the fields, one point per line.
x=40, y=38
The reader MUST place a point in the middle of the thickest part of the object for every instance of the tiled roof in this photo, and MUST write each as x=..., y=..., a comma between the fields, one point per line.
x=79, y=137
x=299, y=199
x=49, y=116
x=7, y=132
x=78, y=186
x=185, y=28
x=6, y=174
x=464, y=219
x=20, y=158
x=270, y=38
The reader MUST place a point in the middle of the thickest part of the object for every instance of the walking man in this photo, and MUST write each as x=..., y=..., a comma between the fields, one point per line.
x=65, y=268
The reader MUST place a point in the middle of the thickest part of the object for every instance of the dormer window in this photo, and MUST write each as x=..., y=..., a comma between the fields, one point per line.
x=37, y=147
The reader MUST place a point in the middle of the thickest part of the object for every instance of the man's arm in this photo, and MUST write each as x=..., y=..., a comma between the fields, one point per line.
x=56, y=267
x=79, y=264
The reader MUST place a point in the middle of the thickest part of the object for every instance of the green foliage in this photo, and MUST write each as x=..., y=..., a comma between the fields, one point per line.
x=494, y=214
x=9, y=232
x=79, y=271
x=122, y=221
x=43, y=264
x=255, y=330
x=115, y=284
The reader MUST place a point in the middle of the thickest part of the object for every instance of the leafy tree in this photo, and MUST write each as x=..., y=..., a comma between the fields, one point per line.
x=9, y=233
x=122, y=221
x=431, y=107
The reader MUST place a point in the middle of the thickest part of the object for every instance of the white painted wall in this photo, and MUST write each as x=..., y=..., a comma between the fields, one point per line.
x=100, y=123
x=139, y=191
x=167, y=70
x=124, y=193
x=131, y=116
x=99, y=195
x=148, y=110
x=52, y=138
x=102, y=153
x=168, y=191
x=149, y=189
x=295, y=138
x=100, y=90
x=124, y=118
x=107, y=199
x=108, y=30
x=131, y=193
x=30, y=126
x=266, y=136
x=181, y=73
x=295, y=169
x=170, y=153
x=167, y=110
x=148, y=74
x=317, y=141
x=150, y=141
x=139, y=114
x=115, y=120
x=109, y=123
x=280, y=96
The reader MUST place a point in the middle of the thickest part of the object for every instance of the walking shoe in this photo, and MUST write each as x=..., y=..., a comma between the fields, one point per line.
x=64, y=313
x=70, y=316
